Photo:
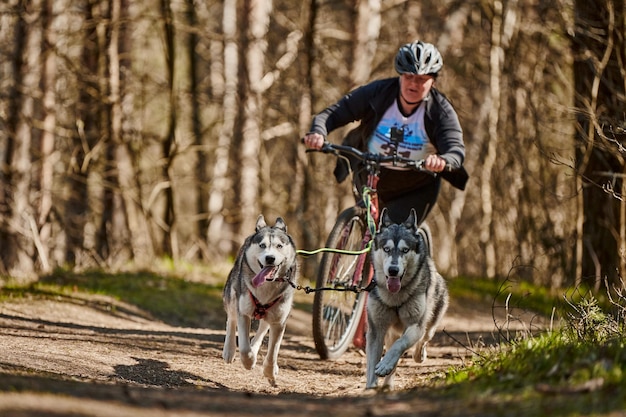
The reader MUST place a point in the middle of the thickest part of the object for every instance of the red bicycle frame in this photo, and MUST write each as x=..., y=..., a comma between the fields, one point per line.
x=372, y=182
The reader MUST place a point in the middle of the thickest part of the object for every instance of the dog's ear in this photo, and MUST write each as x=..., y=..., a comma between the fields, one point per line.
x=411, y=221
x=260, y=222
x=385, y=220
x=280, y=224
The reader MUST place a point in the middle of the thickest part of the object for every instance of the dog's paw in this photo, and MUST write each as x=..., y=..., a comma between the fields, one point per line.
x=390, y=382
x=375, y=389
x=228, y=355
x=248, y=359
x=372, y=387
x=271, y=379
x=384, y=367
x=271, y=372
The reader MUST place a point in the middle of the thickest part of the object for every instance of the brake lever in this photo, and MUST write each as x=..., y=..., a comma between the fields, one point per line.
x=420, y=167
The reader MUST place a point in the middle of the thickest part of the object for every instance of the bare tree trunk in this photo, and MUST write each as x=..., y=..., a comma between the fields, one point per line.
x=22, y=221
x=258, y=25
x=11, y=38
x=116, y=243
x=202, y=178
x=169, y=243
x=84, y=146
x=217, y=236
x=141, y=246
x=495, y=71
x=47, y=137
x=16, y=250
x=412, y=14
x=300, y=197
x=445, y=241
x=599, y=70
x=110, y=121
x=504, y=260
x=367, y=32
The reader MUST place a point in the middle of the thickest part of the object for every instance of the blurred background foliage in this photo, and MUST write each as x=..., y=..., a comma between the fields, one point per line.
x=134, y=131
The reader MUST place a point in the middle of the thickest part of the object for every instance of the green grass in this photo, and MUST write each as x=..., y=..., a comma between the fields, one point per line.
x=514, y=294
x=577, y=369
x=165, y=297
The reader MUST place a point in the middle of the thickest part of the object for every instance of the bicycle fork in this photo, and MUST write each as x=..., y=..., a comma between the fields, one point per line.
x=364, y=278
x=359, y=339
x=359, y=336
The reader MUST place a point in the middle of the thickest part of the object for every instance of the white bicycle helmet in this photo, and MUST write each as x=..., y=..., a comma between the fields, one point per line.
x=418, y=58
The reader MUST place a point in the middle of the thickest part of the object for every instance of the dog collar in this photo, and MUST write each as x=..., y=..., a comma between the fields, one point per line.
x=260, y=310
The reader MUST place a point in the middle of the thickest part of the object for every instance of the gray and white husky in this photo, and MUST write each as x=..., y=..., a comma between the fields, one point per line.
x=259, y=287
x=408, y=301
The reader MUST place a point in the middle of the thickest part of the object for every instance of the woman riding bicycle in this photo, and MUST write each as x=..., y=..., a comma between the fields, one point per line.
x=406, y=115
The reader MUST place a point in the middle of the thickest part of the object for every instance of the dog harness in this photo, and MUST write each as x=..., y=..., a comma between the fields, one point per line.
x=260, y=310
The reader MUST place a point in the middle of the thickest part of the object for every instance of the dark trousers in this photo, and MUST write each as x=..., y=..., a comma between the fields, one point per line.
x=422, y=199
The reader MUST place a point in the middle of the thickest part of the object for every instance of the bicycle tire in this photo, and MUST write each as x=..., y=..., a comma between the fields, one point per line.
x=336, y=314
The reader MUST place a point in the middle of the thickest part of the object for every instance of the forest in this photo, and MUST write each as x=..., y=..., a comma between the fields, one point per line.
x=131, y=131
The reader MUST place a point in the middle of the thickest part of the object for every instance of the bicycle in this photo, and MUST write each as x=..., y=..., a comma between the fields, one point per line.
x=338, y=318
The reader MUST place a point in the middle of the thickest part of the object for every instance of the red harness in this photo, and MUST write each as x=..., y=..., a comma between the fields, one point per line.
x=260, y=310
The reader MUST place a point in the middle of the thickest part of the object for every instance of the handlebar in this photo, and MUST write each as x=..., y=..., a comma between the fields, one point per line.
x=395, y=160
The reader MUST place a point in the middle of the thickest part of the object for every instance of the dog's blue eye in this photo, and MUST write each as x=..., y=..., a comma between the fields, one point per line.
x=263, y=245
x=405, y=250
x=386, y=249
x=279, y=246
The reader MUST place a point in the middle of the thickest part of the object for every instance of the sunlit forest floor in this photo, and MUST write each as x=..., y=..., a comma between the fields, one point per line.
x=146, y=344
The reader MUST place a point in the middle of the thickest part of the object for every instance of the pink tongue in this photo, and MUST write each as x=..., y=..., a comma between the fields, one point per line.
x=393, y=284
x=262, y=276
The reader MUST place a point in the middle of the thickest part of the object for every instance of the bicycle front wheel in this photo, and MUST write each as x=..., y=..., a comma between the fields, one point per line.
x=336, y=313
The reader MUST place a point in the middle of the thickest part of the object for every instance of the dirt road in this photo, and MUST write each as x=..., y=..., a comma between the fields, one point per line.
x=96, y=356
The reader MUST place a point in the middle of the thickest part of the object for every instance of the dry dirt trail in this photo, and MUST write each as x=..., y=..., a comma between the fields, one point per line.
x=96, y=356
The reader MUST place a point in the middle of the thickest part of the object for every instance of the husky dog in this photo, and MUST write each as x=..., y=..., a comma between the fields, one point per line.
x=260, y=286
x=408, y=301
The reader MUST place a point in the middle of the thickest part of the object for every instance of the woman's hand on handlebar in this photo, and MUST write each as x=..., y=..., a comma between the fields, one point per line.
x=313, y=141
x=434, y=163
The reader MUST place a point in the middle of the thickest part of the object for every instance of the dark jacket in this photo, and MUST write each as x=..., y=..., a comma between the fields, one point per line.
x=368, y=104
